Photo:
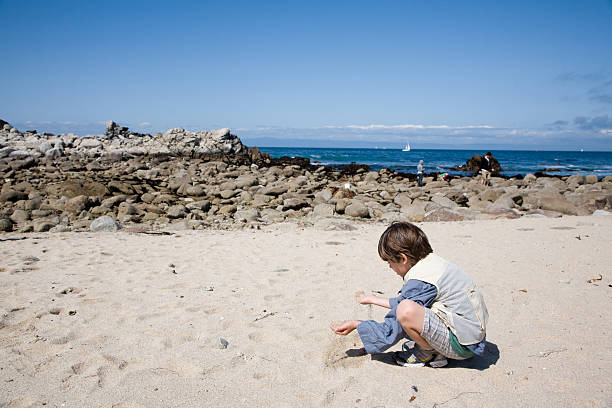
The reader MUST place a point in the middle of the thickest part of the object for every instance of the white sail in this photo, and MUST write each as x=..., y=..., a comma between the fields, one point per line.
x=406, y=148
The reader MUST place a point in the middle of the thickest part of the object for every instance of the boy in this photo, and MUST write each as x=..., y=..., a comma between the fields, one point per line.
x=439, y=307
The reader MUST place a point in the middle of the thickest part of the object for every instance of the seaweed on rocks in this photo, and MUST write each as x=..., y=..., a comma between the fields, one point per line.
x=352, y=169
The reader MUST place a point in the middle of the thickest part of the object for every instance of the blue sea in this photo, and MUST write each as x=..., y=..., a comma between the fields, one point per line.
x=513, y=162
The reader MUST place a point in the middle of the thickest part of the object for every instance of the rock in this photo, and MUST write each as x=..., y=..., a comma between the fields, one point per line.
x=414, y=212
x=246, y=215
x=245, y=181
x=43, y=225
x=443, y=214
x=44, y=147
x=294, y=204
x=507, y=201
x=104, y=223
x=269, y=215
x=323, y=210
x=6, y=225
x=529, y=178
x=54, y=153
x=77, y=204
x=12, y=196
x=76, y=187
x=391, y=216
x=20, y=216
x=60, y=228
x=557, y=204
x=34, y=203
x=274, y=190
x=20, y=154
x=473, y=164
x=229, y=193
x=443, y=201
x=490, y=195
x=371, y=176
x=228, y=185
x=147, y=198
x=341, y=205
x=89, y=143
x=227, y=209
x=591, y=179
x=575, y=179
x=176, y=211
x=357, y=209
x=435, y=184
x=195, y=191
x=403, y=199
x=203, y=205
x=507, y=213
x=117, y=186
x=126, y=208
x=113, y=201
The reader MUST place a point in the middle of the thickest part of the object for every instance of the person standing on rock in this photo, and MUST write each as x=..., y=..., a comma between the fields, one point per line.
x=485, y=169
x=420, y=170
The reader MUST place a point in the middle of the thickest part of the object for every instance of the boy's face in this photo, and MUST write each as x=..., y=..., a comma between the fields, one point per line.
x=402, y=267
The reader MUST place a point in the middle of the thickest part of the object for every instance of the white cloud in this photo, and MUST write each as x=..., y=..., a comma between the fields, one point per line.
x=144, y=124
x=407, y=126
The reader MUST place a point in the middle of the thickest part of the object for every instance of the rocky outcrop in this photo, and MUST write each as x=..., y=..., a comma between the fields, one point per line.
x=473, y=165
x=118, y=143
x=183, y=179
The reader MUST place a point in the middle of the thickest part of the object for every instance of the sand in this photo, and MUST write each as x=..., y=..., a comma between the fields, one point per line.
x=136, y=320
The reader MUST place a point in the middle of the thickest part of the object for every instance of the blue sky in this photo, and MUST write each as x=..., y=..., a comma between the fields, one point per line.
x=483, y=74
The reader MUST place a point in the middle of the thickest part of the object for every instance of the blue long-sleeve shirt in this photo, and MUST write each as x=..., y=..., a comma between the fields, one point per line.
x=379, y=336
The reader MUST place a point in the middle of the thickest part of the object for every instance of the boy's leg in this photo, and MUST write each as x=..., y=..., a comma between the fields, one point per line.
x=432, y=332
x=410, y=316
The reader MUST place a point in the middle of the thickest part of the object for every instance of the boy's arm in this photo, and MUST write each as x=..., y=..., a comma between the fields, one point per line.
x=345, y=328
x=375, y=300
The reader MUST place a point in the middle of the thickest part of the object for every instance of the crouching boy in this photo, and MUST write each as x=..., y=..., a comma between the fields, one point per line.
x=439, y=307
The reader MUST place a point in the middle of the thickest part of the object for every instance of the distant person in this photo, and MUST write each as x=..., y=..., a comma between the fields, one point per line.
x=439, y=307
x=485, y=169
x=420, y=170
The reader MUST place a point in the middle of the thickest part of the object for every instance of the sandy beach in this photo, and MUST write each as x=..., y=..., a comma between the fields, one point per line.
x=240, y=318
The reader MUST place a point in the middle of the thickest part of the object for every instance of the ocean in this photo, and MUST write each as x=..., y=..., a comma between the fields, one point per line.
x=513, y=162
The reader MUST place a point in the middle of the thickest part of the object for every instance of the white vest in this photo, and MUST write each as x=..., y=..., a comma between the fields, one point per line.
x=459, y=303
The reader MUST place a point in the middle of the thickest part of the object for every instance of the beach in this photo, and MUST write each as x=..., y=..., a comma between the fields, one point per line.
x=241, y=318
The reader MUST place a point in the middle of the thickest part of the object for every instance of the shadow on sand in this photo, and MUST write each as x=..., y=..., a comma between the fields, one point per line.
x=489, y=358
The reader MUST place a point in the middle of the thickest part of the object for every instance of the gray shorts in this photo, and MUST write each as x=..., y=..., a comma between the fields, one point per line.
x=436, y=333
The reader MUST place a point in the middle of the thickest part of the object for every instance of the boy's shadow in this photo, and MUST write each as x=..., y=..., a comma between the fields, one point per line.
x=490, y=357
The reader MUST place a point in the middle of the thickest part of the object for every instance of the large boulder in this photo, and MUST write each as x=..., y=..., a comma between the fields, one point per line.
x=357, y=209
x=558, y=204
x=104, y=223
x=75, y=187
x=473, y=164
x=415, y=212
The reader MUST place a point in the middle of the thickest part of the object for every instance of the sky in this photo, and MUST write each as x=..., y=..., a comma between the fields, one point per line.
x=436, y=74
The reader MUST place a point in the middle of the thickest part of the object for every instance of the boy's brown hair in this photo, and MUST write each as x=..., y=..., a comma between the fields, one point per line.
x=403, y=238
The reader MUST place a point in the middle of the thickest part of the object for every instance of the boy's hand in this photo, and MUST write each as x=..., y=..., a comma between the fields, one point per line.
x=345, y=328
x=360, y=296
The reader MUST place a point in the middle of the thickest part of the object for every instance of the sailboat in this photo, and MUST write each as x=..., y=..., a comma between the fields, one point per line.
x=406, y=148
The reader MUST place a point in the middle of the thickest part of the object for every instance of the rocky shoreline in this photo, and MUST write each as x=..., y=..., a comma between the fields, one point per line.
x=194, y=180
